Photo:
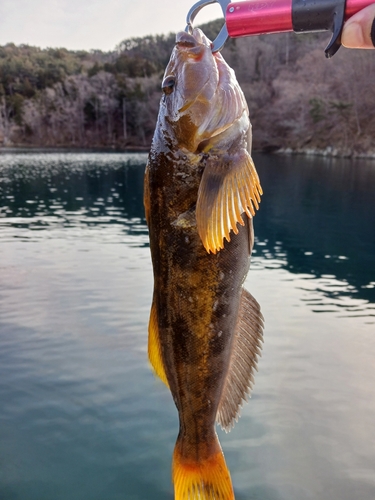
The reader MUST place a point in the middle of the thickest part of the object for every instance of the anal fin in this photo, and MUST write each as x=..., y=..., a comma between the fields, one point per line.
x=154, y=349
x=246, y=348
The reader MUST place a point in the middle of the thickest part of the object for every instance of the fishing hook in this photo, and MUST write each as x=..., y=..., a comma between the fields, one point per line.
x=223, y=35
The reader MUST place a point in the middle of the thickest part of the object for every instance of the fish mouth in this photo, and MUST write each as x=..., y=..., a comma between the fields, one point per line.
x=184, y=39
x=194, y=43
x=191, y=40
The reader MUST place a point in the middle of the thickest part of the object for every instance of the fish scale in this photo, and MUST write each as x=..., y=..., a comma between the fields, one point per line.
x=205, y=330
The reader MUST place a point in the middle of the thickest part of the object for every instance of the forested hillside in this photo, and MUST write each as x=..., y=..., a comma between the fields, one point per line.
x=297, y=98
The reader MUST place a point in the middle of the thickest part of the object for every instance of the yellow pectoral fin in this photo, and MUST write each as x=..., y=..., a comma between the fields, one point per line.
x=229, y=187
x=154, y=350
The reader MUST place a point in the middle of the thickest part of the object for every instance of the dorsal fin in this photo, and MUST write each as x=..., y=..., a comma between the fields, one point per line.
x=154, y=349
x=229, y=187
x=245, y=351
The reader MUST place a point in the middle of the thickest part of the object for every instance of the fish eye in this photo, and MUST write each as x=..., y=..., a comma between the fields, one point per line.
x=168, y=84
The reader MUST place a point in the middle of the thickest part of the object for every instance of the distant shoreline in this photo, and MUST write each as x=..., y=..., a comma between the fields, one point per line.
x=77, y=149
x=329, y=152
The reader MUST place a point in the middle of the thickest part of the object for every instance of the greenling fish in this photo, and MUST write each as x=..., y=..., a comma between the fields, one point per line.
x=201, y=190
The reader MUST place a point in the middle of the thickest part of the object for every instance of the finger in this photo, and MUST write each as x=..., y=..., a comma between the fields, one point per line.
x=359, y=30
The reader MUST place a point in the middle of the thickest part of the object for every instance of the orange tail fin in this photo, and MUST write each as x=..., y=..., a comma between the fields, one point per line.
x=207, y=479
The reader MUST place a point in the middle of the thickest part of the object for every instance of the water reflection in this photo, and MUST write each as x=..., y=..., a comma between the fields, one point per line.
x=52, y=191
x=82, y=416
x=317, y=217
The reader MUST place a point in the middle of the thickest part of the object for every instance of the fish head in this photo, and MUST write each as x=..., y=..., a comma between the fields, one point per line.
x=202, y=97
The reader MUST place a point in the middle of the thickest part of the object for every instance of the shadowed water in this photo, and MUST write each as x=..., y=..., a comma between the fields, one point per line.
x=81, y=415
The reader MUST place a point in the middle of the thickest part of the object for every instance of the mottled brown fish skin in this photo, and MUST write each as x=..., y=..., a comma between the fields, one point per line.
x=197, y=295
x=198, y=291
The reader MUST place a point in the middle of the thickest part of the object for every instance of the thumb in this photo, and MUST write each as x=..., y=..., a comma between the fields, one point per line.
x=359, y=30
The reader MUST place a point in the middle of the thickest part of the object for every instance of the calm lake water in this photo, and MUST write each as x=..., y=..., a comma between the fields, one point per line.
x=81, y=415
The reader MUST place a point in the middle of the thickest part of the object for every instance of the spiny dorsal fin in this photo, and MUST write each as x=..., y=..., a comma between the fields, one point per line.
x=229, y=187
x=154, y=350
x=245, y=351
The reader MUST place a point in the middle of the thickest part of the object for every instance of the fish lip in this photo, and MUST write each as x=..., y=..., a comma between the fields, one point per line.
x=192, y=40
x=186, y=40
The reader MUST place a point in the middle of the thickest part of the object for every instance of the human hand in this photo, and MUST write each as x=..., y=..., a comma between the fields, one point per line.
x=359, y=30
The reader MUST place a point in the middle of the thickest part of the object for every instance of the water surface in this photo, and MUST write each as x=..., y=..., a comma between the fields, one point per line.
x=81, y=415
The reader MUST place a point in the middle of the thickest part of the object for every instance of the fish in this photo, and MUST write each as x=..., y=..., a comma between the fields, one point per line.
x=201, y=191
